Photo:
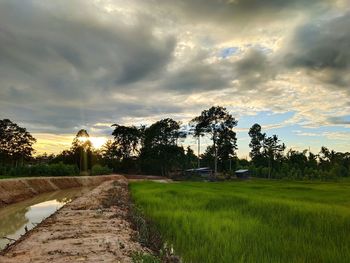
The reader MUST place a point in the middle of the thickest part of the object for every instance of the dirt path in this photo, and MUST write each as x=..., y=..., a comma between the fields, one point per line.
x=92, y=228
x=159, y=179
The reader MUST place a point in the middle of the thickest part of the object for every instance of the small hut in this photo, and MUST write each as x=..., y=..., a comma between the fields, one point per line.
x=204, y=172
x=242, y=174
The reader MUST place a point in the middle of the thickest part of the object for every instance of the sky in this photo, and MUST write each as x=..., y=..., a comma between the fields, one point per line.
x=72, y=64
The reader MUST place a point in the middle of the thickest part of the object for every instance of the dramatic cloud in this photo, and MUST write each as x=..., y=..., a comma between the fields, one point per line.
x=66, y=65
x=55, y=63
x=253, y=69
x=242, y=12
x=322, y=47
x=196, y=77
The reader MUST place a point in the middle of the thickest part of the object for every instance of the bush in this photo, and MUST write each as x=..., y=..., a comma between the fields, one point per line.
x=100, y=170
x=60, y=169
x=339, y=171
x=4, y=169
x=57, y=169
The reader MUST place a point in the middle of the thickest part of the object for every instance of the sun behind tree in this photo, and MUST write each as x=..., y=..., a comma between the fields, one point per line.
x=82, y=148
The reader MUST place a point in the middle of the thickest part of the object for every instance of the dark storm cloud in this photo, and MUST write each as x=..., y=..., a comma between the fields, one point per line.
x=196, y=77
x=322, y=47
x=254, y=68
x=241, y=12
x=59, y=60
x=58, y=119
x=32, y=39
x=250, y=70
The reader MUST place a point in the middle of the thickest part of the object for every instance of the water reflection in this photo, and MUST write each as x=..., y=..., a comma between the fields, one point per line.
x=26, y=214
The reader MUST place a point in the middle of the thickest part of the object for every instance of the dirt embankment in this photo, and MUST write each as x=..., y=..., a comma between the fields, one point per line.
x=92, y=228
x=160, y=179
x=15, y=190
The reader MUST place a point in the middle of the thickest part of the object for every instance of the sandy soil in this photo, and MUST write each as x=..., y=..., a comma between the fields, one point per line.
x=92, y=228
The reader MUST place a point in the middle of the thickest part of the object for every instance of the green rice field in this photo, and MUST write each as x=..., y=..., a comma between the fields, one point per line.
x=250, y=221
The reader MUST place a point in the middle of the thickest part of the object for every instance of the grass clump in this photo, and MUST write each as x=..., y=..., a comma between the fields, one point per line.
x=149, y=236
x=140, y=257
x=250, y=221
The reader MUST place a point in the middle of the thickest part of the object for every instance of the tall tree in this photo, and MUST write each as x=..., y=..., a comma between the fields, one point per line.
x=16, y=143
x=256, y=143
x=126, y=140
x=227, y=145
x=312, y=160
x=109, y=151
x=297, y=160
x=191, y=158
x=214, y=121
x=160, y=153
x=82, y=150
x=273, y=150
x=208, y=157
x=196, y=134
x=163, y=132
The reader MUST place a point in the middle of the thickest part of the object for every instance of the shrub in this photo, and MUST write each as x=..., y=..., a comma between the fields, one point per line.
x=99, y=170
x=4, y=169
x=60, y=169
x=57, y=169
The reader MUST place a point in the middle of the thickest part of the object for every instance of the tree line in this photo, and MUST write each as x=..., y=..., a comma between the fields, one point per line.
x=157, y=149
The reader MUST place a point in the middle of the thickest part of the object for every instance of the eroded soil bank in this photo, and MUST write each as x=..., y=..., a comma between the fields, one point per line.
x=92, y=228
x=16, y=218
x=19, y=189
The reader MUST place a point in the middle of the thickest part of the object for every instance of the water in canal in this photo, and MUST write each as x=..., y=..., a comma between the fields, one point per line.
x=26, y=214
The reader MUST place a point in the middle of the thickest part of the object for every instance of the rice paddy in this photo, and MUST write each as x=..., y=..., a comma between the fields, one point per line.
x=250, y=221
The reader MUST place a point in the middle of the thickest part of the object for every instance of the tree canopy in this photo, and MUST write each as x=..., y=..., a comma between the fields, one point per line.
x=126, y=140
x=158, y=149
x=218, y=123
x=16, y=143
x=256, y=143
x=160, y=152
x=163, y=132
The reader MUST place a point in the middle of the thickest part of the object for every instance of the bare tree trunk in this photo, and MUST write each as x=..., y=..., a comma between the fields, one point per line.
x=83, y=161
x=199, y=150
x=215, y=160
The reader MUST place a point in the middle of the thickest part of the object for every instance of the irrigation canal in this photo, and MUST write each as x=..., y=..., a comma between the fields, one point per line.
x=16, y=219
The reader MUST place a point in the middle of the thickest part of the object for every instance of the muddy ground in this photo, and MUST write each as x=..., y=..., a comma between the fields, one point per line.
x=92, y=228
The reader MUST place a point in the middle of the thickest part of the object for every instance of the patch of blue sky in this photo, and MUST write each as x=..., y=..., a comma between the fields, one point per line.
x=265, y=119
x=301, y=138
x=230, y=51
x=323, y=129
x=260, y=47
x=344, y=119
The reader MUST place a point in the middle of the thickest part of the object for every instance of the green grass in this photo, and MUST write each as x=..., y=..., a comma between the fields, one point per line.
x=251, y=221
x=8, y=177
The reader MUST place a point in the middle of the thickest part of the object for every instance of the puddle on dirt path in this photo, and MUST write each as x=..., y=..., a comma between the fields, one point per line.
x=16, y=217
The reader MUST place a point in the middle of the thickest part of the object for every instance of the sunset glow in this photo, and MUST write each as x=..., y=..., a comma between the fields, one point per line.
x=97, y=142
